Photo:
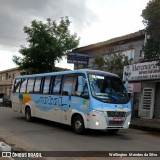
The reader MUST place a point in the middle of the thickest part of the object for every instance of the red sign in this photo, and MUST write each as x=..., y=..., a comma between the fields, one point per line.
x=117, y=119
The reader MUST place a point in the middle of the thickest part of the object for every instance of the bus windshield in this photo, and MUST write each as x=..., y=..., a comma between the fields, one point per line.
x=107, y=88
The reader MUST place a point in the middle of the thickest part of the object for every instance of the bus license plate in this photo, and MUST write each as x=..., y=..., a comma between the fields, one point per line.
x=117, y=119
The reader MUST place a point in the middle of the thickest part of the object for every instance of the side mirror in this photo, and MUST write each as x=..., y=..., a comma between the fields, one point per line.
x=85, y=96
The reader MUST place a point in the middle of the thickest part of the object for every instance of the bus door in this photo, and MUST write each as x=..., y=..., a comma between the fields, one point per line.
x=75, y=96
x=68, y=86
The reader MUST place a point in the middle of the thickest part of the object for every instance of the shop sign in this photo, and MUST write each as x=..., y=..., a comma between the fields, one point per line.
x=141, y=71
x=77, y=58
x=130, y=87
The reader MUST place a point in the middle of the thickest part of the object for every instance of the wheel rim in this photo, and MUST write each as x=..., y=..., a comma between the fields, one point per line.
x=27, y=115
x=78, y=125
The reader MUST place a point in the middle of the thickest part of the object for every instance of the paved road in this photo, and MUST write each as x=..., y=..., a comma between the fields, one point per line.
x=42, y=135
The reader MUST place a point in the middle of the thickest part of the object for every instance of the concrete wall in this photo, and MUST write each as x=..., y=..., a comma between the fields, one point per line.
x=147, y=113
x=6, y=80
x=135, y=45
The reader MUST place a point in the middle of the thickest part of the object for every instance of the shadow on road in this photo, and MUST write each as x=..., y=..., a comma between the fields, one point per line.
x=88, y=133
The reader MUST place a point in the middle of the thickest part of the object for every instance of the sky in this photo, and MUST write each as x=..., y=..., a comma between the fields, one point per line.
x=93, y=20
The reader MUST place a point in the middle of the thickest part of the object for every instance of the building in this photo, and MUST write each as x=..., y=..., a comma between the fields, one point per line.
x=129, y=45
x=6, y=80
x=147, y=74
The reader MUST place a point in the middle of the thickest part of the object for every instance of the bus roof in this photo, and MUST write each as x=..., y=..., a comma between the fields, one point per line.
x=67, y=72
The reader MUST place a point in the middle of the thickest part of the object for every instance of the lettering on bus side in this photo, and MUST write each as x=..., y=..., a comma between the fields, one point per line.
x=50, y=101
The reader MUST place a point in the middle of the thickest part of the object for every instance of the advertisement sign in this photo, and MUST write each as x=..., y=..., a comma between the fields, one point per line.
x=141, y=71
x=77, y=58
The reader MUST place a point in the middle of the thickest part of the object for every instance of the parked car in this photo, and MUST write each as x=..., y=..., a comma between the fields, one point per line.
x=4, y=100
x=1, y=98
x=7, y=103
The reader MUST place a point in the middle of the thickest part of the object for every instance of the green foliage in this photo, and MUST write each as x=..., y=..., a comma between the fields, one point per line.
x=151, y=49
x=151, y=15
x=48, y=43
x=113, y=63
x=116, y=62
x=98, y=62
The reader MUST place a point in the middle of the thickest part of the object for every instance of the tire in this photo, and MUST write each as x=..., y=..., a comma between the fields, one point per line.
x=28, y=114
x=113, y=131
x=78, y=125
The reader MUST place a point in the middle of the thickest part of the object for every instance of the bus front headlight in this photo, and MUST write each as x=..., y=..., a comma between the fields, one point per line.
x=98, y=111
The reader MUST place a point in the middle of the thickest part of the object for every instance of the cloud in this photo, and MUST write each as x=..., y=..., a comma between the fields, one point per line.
x=15, y=14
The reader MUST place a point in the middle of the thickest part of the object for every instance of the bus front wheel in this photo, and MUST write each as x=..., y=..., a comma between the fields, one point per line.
x=28, y=114
x=78, y=125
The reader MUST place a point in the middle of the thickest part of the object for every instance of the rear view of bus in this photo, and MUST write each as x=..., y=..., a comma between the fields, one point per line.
x=110, y=105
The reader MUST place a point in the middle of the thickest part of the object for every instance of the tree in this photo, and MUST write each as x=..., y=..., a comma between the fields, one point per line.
x=116, y=62
x=99, y=62
x=113, y=63
x=48, y=43
x=151, y=15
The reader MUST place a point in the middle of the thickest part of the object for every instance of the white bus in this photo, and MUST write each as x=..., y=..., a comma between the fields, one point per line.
x=84, y=99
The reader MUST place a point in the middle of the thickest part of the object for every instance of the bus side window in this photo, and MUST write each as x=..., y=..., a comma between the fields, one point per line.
x=37, y=85
x=17, y=85
x=23, y=86
x=81, y=88
x=57, y=85
x=46, y=85
x=30, y=85
x=68, y=85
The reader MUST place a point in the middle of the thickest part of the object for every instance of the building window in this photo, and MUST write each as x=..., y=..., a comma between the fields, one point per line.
x=6, y=76
x=1, y=78
x=13, y=76
x=129, y=53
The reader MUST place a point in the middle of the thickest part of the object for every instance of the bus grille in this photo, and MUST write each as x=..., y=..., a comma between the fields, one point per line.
x=116, y=114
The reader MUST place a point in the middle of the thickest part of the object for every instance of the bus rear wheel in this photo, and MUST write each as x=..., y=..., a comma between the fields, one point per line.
x=28, y=114
x=78, y=125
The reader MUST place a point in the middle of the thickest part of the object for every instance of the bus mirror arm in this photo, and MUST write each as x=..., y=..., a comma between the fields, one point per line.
x=85, y=96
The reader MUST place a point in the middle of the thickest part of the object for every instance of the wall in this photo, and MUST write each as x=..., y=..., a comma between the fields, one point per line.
x=6, y=80
x=135, y=45
x=147, y=113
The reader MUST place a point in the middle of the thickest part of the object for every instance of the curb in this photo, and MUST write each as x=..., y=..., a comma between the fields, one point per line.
x=145, y=128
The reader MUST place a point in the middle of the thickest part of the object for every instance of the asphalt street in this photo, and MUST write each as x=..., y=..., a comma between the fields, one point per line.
x=42, y=135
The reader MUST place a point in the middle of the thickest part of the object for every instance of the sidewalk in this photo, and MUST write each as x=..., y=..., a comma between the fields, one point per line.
x=146, y=124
